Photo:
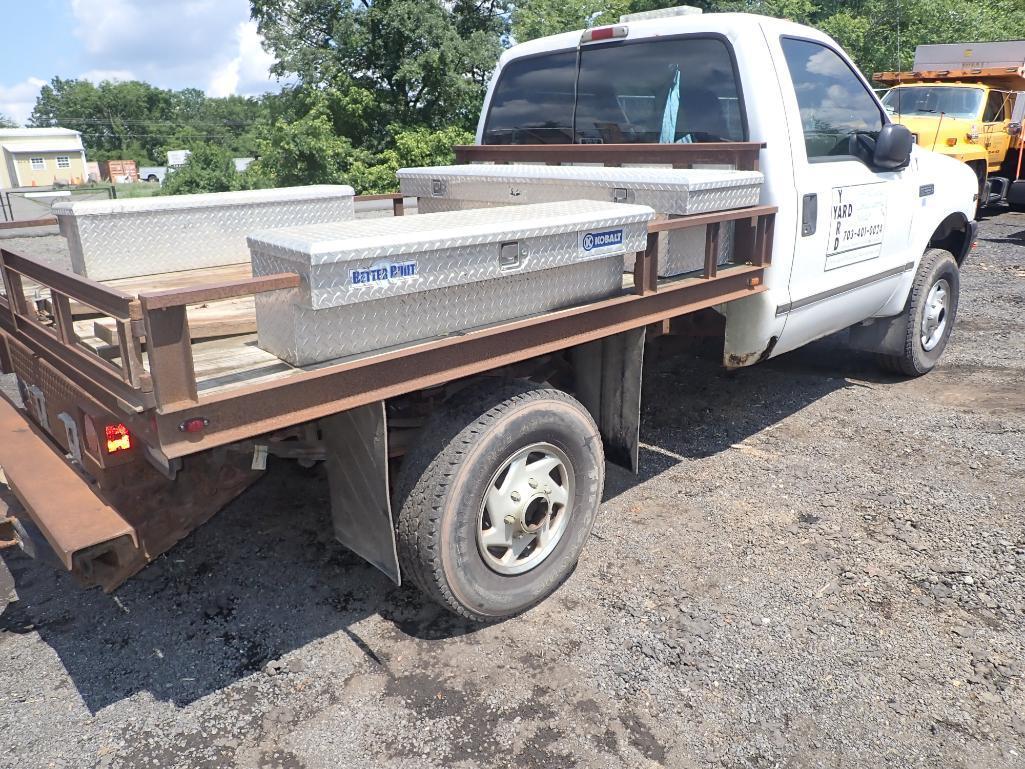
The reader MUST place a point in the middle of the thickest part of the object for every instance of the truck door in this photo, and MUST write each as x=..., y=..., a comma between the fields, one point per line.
x=995, y=120
x=854, y=224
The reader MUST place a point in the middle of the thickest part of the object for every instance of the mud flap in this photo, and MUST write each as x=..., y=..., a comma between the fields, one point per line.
x=357, y=474
x=608, y=382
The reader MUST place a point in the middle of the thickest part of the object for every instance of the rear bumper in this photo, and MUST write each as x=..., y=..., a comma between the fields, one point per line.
x=86, y=534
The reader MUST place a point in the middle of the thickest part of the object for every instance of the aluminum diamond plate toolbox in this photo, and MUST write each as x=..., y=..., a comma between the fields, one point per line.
x=677, y=191
x=111, y=239
x=670, y=191
x=372, y=283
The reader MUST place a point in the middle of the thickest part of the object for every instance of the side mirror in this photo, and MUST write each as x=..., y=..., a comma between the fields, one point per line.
x=1014, y=129
x=893, y=147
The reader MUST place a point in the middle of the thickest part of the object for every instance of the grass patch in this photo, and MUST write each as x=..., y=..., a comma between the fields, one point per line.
x=137, y=190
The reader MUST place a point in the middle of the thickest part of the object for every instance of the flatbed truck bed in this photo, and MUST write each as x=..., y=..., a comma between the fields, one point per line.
x=181, y=398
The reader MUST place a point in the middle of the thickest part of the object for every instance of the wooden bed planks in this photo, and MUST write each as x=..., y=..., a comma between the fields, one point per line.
x=229, y=317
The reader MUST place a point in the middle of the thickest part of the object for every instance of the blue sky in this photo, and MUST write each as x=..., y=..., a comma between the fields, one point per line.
x=207, y=44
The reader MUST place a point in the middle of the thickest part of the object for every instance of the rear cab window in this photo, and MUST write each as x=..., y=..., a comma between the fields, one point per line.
x=681, y=89
x=835, y=104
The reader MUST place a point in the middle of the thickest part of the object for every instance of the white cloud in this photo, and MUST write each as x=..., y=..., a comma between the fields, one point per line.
x=247, y=73
x=17, y=101
x=175, y=43
x=99, y=75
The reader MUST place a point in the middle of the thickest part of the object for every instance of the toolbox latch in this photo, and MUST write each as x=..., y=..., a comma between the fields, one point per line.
x=439, y=187
x=510, y=257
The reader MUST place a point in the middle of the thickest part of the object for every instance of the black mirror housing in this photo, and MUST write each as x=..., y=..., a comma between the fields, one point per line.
x=893, y=147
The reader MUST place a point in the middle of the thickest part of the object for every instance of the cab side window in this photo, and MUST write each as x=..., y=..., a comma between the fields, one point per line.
x=995, y=103
x=834, y=102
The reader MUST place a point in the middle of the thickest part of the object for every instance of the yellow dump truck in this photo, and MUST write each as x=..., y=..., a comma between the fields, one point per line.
x=967, y=100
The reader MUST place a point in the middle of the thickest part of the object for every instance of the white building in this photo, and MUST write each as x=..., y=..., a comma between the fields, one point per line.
x=39, y=157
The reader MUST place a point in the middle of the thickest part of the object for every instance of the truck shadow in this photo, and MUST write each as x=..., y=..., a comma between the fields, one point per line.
x=266, y=577
x=694, y=408
x=263, y=578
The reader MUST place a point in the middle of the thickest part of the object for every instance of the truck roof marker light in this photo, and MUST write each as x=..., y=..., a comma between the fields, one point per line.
x=597, y=34
x=661, y=13
x=118, y=438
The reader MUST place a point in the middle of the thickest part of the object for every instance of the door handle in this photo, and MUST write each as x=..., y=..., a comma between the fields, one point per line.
x=809, y=215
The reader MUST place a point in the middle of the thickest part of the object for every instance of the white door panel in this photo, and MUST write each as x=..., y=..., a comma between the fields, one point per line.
x=853, y=235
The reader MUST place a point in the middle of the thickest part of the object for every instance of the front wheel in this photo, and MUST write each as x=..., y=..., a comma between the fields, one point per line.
x=496, y=503
x=929, y=315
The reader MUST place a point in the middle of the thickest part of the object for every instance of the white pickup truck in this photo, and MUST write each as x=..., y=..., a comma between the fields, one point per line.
x=496, y=435
x=871, y=230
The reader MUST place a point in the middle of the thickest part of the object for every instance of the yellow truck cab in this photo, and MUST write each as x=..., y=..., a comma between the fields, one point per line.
x=967, y=100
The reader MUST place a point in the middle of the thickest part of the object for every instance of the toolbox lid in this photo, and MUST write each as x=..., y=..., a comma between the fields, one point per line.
x=201, y=200
x=362, y=239
x=668, y=179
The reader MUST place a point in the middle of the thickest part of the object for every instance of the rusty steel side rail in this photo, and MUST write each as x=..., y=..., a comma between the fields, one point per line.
x=249, y=410
x=169, y=340
x=18, y=224
x=753, y=235
x=127, y=386
x=742, y=155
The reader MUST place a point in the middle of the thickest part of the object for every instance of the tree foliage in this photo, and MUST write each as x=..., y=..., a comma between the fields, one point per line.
x=211, y=168
x=405, y=62
x=6, y=122
x=135, y=120
x=868, y=29
x=379, y=84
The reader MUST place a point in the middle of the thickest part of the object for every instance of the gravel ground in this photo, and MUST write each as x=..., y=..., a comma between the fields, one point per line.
x=820, y=566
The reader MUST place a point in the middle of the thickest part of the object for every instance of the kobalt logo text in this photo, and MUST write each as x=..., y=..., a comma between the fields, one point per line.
x=593, y=240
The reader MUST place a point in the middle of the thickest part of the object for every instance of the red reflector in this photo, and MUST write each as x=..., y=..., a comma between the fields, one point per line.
x=194, y=425
x=118, y=438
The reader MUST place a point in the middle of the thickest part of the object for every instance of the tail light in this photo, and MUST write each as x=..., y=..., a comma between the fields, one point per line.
x=118, y=438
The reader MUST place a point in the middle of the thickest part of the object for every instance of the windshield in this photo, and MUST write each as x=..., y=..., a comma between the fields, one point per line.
x=652, y=91
x=935, y=100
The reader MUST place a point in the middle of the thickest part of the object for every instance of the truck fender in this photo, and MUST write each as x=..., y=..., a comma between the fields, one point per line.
x=955, y=233
x=885, y=333
x=752, y=330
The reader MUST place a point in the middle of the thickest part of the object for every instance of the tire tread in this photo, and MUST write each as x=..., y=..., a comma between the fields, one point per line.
x=430, y=468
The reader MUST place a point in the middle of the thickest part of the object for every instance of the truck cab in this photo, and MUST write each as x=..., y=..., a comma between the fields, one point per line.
x=854, y=221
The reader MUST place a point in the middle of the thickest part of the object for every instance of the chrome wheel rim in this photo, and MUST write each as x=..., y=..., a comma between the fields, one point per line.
x=937, y=310
x=526, y=509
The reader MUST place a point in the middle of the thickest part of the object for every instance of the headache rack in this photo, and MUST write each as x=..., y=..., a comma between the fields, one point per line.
x=154, y=376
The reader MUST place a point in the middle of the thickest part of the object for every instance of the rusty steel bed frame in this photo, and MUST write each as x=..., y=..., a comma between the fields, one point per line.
x=158, y=400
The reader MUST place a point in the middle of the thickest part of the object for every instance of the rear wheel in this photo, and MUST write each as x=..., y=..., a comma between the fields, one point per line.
x=929, y=315
x=496, y=503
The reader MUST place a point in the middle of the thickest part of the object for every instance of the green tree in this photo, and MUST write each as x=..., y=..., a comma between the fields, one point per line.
x=413, y=148
x=306, y=149
x=6, y=122
x=138, y=121
x=209, y=169
x=405, y=62
x=539, y=18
